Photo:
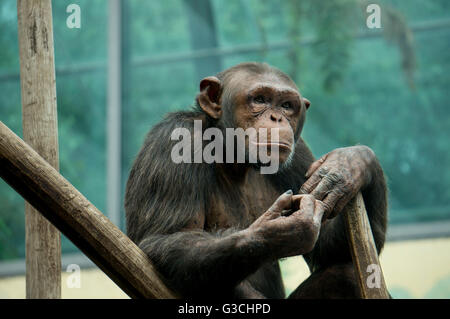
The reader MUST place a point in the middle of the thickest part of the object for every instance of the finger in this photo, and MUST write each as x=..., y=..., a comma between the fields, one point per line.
x=319, y=210
x=314, y=166
x=306, y=208
x=295, y=205
x=312, y=182
x=340, y=205
x=307, y=202
x=325, y=186
x=296, y=199
x=284, y=201
x=331, y=200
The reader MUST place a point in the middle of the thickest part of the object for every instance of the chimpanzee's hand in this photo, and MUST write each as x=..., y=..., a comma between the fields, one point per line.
x=289, y=235
x=338, y=176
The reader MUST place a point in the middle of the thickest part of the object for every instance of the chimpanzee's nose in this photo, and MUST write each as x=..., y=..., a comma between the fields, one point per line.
x=276, y=117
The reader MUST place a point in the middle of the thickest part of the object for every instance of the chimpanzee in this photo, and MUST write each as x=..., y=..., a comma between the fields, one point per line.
x=219, y=229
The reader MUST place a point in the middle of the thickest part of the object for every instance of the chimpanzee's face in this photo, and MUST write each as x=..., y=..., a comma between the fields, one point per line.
x=266, y=101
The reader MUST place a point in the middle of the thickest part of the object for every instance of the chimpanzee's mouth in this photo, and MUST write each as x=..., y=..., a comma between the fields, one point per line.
x=280, y=145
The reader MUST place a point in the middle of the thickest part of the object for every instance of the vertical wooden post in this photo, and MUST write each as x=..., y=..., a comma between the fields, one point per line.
x=114, y=112
x=364, y=252
x=40, y=131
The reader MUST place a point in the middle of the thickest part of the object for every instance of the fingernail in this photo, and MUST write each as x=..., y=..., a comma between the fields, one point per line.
x=289, y=192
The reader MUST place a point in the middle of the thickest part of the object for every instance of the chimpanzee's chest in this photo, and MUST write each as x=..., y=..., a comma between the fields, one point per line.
x=241, y=204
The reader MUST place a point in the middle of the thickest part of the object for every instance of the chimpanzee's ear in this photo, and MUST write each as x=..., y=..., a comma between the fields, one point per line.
x=307, y=102
x=209, y=96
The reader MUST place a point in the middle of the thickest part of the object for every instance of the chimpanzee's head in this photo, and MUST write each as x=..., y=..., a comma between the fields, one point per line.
x=259, y=96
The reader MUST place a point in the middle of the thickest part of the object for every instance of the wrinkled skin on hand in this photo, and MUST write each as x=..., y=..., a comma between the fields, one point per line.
x=338, y=176
x=293, y=234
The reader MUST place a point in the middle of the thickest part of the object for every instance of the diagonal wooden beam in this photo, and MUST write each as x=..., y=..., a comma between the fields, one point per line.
x=66, y=208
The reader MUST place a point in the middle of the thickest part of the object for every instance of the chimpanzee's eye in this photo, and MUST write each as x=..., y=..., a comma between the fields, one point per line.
x=286, y=105
x=260, y=99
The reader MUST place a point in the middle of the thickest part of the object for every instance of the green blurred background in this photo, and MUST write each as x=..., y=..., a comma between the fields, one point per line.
x=387, y=88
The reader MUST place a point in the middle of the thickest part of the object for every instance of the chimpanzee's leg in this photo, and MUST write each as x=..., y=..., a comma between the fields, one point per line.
x=334, y=282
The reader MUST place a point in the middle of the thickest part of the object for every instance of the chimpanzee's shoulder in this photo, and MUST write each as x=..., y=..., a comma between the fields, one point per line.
x=162, y=137
x=169, y=193
x=178, y=119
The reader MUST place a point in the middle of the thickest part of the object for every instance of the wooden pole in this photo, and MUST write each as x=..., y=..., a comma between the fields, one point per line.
x=40, y=131
x=364, y=252
x=66, y=208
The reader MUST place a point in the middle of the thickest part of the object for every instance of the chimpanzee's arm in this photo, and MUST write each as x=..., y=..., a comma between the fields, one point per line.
x=166, y=204
x=197, y=263
x=342, y=174
x=332, y=246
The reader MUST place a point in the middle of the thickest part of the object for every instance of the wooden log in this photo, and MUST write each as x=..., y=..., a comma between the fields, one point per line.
x=40, y=131
x=364, y=252
x=66, y=208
